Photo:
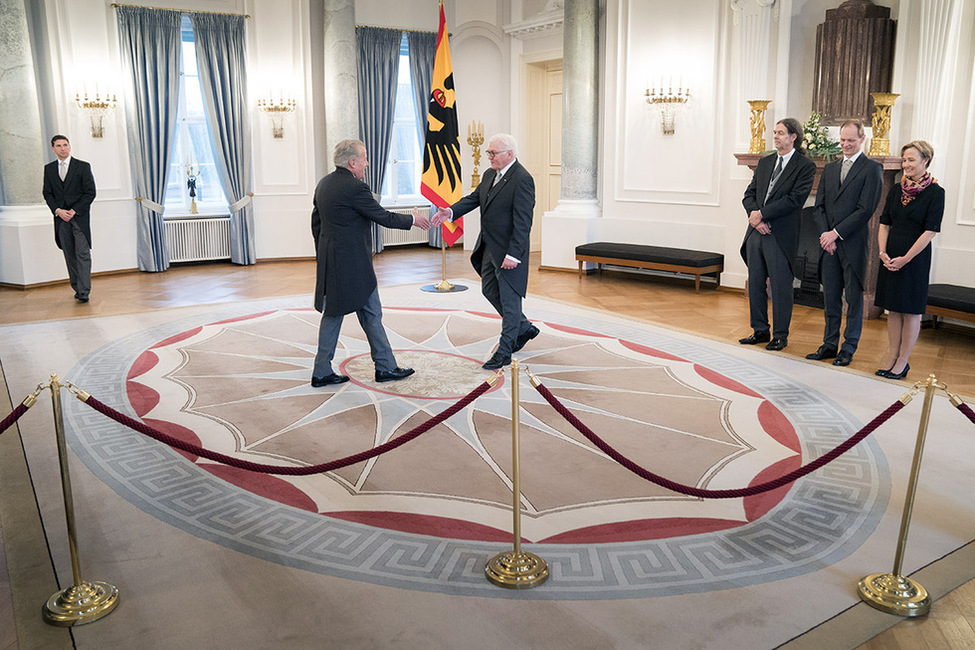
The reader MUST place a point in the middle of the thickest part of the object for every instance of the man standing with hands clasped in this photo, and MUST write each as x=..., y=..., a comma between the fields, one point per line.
x=69, y=189
x=848, y=194
x=773, y=202
x=506, y=197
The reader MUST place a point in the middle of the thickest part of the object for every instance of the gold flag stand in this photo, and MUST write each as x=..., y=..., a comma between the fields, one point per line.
x=892, y=592
x=83, y=602
x=443, y=286
x=516, y=569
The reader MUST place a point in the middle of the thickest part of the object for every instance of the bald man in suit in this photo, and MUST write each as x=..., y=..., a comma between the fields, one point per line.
x=773, y=202
x=848, y=194
x=69, y=189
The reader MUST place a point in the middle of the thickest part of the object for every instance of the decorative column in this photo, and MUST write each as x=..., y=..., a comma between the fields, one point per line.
x=573, y=220
x=580, y=96
x=21, y=141
x=341, y=86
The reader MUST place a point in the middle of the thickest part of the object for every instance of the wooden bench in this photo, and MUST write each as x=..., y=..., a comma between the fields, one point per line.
x=951, y=301
x=655, y=258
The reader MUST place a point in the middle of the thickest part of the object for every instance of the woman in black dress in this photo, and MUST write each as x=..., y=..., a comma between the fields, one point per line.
x=910, y=220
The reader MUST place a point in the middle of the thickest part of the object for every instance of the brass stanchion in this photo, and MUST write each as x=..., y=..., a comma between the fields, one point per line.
x=516, y=569
x=83, y=602
x=893, y=592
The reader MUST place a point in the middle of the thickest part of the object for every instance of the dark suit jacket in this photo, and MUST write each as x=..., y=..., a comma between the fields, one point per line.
x=848, y=208
x=76, y=192
x=784, y=207
x=506, y=221
x=341, y=223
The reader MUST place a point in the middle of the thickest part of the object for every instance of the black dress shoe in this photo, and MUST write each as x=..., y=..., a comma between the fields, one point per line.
x=883, y=373
x=887, y=374
x=843, y=359
x=777, y=344
x=328, y=380
x=756, y=337
x=497, y=361
x=394, y=374
x=824, y=352
x=525, y=337
x=83, y=299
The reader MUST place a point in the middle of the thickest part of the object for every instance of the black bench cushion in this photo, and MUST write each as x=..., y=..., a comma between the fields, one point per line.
x=951, y=296
x=659, y=254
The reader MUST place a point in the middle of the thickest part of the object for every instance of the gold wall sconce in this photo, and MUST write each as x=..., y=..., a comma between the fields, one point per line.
x=96, y=106
x=668, y=102
x=277, y=110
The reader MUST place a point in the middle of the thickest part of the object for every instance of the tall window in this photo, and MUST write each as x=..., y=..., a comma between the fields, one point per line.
x=193, y=144
x=401, y=185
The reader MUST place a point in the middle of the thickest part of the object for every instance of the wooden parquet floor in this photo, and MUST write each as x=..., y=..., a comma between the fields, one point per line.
x=949, y=352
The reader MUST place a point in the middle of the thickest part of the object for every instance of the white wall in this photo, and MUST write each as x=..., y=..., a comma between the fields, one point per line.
x=679, y=190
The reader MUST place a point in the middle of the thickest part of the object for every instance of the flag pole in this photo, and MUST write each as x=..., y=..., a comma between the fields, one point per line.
x=444, y=285
x=441, y=181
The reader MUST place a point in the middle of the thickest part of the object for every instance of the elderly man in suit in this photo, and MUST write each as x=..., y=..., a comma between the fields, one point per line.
x=69, y=189
x=341, y=224
x=506, y=197
x=773, y=202
x=848, y=194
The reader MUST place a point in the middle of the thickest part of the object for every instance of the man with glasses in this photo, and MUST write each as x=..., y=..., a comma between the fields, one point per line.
x=506, y=197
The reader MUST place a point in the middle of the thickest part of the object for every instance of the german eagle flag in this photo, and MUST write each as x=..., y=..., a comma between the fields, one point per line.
x=441, y=183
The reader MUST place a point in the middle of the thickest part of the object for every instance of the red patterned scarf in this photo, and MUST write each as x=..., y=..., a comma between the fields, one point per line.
x=910, y=189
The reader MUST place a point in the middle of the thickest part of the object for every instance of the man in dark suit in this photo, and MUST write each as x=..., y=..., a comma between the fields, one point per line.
x=506, y=197
x=69, y=189
x=341, y=224
x=848, y=194
x=773, y=202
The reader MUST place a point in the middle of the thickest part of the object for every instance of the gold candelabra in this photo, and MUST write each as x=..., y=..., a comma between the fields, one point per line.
x=757, y=124
x=668, y=102
x=475, y=138
x=880, y=123
x=96, y=107
x=277, y=110
x=191, y=173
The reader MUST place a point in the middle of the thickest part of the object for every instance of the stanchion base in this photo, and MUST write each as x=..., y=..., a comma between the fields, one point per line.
x=80, y=604
x=443, y=287
x=516, y=570
x=894, y=594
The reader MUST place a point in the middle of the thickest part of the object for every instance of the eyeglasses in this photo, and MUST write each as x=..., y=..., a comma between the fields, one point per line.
x=492, y=154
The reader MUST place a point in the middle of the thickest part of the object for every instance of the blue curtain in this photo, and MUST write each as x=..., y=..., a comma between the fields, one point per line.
x=378, y=69
x=221, y=55
x=149, y=40
x=423, y=51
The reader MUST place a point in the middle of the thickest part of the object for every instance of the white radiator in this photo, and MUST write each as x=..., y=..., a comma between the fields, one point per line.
x=197, y=240
x=395, y=237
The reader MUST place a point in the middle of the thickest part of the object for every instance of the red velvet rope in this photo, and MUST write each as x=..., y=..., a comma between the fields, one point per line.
x=963, y=407
x=13, y=417
x=717, y=494
x=143, y=428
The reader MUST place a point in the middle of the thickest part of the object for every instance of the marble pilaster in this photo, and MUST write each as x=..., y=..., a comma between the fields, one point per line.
x=341, y=86
x=21, y=142
x=580, y=97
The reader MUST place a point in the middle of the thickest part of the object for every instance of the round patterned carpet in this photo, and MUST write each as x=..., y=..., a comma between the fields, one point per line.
x=428, y=515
